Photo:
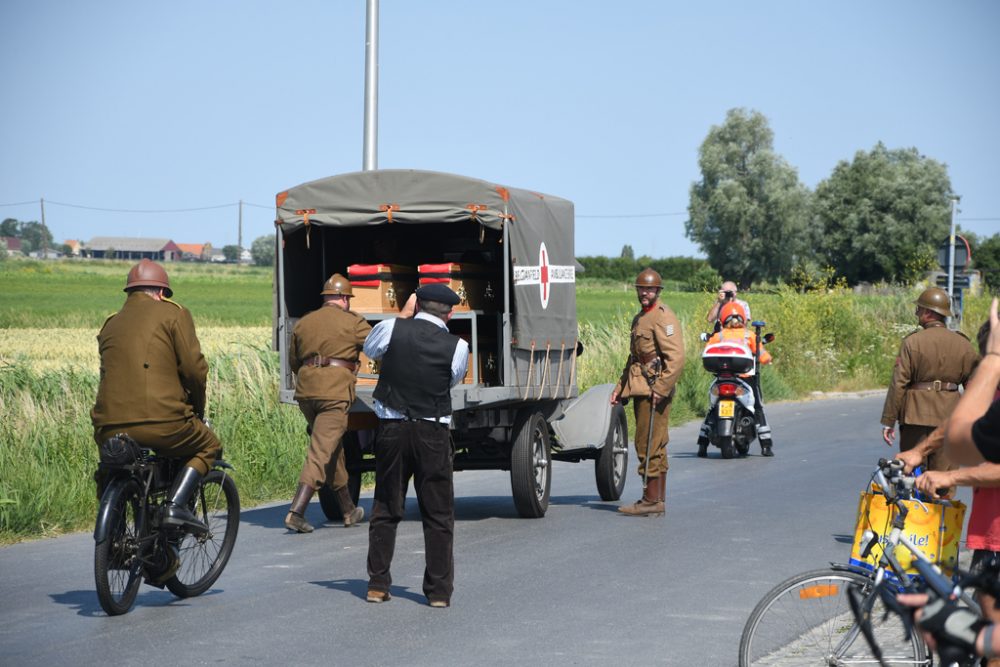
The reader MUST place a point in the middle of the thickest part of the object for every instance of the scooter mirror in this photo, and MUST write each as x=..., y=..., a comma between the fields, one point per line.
x=768, y=337
x=704, y=337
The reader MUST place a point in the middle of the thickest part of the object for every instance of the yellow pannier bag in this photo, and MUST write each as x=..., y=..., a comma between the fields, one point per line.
x=936, y=531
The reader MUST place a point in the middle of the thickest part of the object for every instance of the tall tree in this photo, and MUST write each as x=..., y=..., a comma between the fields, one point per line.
x=883, y=215
x=748, y=212
x=262, y=250
x=35, y=236
x=627, y=252
x=9, y=227
x=231, y=253
x=986, y=259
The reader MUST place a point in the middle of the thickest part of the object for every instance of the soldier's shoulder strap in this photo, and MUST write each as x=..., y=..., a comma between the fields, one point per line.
x=962, y=334
x=172, y=302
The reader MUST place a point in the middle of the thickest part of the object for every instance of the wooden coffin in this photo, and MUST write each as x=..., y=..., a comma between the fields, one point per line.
x=476, y=285
x=380, y=288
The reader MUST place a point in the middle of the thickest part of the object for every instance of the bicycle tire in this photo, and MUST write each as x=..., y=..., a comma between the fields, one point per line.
x=203, y=557
x=117, y=559
x=806, y=620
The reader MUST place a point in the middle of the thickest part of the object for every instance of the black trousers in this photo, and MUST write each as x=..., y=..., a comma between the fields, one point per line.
x=421, y=450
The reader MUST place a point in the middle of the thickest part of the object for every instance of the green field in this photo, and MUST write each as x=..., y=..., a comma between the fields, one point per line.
x=50, y=314
x=83, y=293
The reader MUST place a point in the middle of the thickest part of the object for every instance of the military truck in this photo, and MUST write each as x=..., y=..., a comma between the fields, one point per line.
x=509, y=253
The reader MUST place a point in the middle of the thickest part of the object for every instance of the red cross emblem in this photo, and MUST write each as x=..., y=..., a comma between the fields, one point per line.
x=544, y=275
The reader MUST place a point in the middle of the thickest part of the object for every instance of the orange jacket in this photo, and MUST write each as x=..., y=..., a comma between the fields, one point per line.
x=741, y=335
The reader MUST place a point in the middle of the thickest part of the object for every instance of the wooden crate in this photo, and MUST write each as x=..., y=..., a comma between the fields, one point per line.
x=381, y=288
x=476, y=286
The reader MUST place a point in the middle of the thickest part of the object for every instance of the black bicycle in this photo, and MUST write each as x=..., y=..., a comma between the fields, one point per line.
x=131, y=545
x=810, y=619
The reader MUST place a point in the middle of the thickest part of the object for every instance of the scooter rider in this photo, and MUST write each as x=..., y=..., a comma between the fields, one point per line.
x=651, y=372
x=733, y=320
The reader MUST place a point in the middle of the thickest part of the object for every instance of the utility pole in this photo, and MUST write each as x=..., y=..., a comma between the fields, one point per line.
x=45, y=236
x=951, y=254
x=370, y=152
x=239, y=238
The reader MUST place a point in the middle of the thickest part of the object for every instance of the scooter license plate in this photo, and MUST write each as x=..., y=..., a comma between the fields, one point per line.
x=727, y=408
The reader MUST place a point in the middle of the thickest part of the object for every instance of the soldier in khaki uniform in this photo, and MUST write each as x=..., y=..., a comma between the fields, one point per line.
x=324, y=357
x=153, y=385
x=651, y=371
x=932, y=363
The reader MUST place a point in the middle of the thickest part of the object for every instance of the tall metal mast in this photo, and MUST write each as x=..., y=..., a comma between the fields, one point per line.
x=370, y=157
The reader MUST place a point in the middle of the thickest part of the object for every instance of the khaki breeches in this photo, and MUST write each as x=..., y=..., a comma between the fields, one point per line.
x=661, y=435
x=186, y=439
x=325, y=459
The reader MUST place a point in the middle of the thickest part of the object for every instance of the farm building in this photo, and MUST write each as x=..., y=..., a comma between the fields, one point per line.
x=195, y=252
x=126, y=247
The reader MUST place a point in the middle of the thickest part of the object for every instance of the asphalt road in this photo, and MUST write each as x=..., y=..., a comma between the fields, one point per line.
x=581, y=586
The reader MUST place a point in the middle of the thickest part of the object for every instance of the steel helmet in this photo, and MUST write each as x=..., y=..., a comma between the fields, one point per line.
x=731, y=309
x=935, y=299
x=649, y=278
x=337, y=285
x=148, y=273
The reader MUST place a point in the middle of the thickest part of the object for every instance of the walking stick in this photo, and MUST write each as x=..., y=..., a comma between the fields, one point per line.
x=651, y=380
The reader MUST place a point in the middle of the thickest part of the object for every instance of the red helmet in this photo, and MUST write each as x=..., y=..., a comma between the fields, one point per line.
x=148, y=273
x=730, y=310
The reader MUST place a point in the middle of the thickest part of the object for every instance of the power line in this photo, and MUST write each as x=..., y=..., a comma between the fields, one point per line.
x=633, y=215
x=131, y=210
x=136, y=210
x=268, y=207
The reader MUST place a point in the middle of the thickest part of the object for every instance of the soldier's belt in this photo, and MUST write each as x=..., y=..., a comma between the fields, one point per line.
x=937, y=385
x=321, y=362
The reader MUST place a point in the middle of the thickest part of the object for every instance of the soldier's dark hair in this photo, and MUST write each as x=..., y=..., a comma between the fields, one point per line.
x=435, y=308
x=156, y=290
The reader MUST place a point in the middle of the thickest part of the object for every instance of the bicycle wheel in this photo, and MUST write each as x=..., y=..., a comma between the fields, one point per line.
x=806, y=620
x=203, y=557
x=117, y=561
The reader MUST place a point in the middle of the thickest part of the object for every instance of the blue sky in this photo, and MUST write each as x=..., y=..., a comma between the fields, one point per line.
x=183, y=105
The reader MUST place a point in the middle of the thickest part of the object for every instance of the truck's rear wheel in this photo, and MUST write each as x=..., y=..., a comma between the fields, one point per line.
x=327, y=498
x=531, y=466
x=612, y=462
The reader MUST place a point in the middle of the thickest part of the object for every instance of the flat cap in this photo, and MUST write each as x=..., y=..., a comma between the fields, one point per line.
x=437, y=292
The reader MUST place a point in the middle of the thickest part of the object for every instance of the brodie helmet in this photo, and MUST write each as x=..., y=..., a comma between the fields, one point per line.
x=148, y=273
x=337, y=285
x=935, y=299
x=731, y=310
x=649, y=278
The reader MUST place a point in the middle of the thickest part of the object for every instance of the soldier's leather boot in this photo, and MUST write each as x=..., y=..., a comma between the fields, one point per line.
x=650, y=504
x=295, y=520
x=175, y=511
x=352, y=515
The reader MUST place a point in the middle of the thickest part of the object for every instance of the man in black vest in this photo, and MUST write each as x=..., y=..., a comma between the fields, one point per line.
x=420, y=363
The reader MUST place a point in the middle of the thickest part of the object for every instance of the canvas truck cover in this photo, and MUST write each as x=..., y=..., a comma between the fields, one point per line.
x=539, y=229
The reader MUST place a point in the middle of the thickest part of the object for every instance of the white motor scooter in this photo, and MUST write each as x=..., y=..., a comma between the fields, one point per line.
x=735, y=415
